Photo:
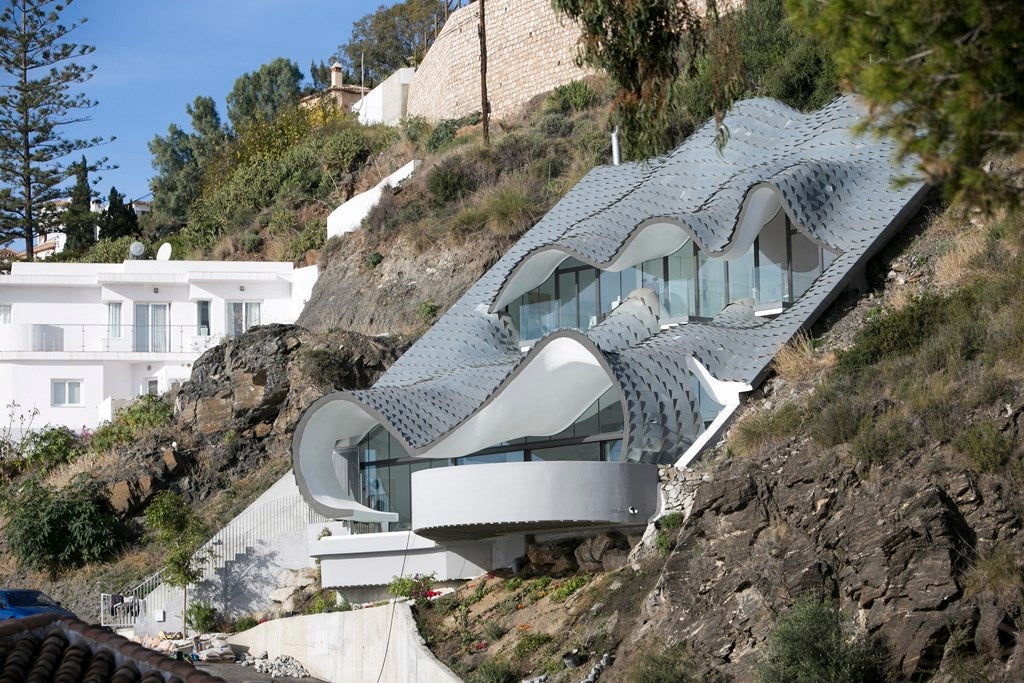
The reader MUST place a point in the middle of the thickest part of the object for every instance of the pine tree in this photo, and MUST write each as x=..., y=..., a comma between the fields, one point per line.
x=78, y=220
x=118, y=219
x=37, y=102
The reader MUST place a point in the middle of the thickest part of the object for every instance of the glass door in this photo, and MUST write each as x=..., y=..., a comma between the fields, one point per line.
x=151, y=328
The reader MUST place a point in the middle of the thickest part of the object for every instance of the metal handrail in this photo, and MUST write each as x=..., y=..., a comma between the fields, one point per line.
x=270, y=519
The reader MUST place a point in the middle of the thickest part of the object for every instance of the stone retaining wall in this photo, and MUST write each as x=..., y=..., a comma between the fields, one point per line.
x=678, y=488
x=530, y=50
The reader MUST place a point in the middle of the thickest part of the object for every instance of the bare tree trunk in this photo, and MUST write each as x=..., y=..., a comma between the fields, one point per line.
x=485, y=105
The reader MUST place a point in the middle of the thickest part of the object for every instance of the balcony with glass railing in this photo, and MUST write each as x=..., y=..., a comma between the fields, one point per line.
x=75, y=338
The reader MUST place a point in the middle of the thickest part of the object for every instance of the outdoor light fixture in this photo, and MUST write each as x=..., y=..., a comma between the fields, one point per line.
x=633, y=510
x=241, y=288
x=156, y=290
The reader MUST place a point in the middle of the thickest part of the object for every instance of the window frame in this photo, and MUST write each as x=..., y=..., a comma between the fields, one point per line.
x=111, y=325
x=6, y=314
x=66, y=382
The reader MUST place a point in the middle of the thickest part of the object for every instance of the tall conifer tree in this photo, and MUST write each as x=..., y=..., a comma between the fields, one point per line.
x=37, y=103
x=78, y=220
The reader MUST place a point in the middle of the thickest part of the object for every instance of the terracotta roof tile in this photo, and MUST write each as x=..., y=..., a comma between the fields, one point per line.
x=49, y=648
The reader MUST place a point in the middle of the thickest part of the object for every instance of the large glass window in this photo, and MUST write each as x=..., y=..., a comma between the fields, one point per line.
x=114, y=320
x=151, y=329
x=711, y=285
x=202, y=318
x=5, y=314
x=242, y=315
x=772, y=255
x=680, y=284
x=779, y=266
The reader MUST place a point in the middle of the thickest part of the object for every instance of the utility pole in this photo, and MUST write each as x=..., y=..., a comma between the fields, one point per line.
x=485, y=105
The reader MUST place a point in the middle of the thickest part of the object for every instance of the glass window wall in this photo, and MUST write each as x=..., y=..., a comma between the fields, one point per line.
x=776, y=269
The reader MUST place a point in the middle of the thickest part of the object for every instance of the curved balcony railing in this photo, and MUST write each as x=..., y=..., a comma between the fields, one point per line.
x=480, y=501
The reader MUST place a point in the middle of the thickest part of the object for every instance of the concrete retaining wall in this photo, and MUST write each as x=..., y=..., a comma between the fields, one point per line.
x=349, y=647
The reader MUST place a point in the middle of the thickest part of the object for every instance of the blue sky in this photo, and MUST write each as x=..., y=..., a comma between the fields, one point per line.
x=155, y=56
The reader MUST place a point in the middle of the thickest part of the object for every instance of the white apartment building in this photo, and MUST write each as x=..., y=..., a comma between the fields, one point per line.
x=78, y=340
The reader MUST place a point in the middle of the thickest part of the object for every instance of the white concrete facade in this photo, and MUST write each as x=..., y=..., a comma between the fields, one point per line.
x=388, y=102
x=77, y=338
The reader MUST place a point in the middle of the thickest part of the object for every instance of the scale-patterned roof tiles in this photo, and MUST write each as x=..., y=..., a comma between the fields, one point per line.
x=836, y=188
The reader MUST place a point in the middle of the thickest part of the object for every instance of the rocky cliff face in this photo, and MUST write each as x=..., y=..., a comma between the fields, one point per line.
x=397, y=295
x=925, y=553
x=240, y=407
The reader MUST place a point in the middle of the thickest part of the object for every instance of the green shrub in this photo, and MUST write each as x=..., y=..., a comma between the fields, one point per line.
x=415, y=129
x=312, y=236
x=513, y=584
x=671, y=521
x=572, y=97
x=110, y=251
x=538, y=588
x=760, y=428
x=144, y=414
x=555, y=125
x=245, y=623
x=374, y=259
x=814, y=642
x=49, y=447
x=510, y=208
x=835, y=419
x=668, y=666
x=568, y=587
x=445, y=131
x=529, y=643
x=895, y=333
x=987, y=447
x=448, y=182
x=664, y=542
x=250, y=241
x=493, y=630
x=55, y=531
x=882, y=438
x=418, y=587
x=495, y=671
x=201, y=616
x=428, y=311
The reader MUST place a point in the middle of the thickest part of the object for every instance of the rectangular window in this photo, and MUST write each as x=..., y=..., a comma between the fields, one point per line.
x=153, y=387
x=151, y=329
x=711, y=285
x=680, y=282
x=66, y=392
x=5, y=314
x=114, y=320
x=202, y=318
x=242, y=315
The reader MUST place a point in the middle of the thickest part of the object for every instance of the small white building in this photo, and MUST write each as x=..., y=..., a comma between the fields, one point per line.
x=388, y=102
x=77, y=340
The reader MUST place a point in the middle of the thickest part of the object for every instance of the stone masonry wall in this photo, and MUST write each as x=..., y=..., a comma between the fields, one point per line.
x=530, y=50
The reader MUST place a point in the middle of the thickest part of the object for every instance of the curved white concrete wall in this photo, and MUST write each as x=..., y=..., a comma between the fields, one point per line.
x=524, y=493
x=351, y=647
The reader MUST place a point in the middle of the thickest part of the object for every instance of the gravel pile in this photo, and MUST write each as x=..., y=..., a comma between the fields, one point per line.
x=278, y=667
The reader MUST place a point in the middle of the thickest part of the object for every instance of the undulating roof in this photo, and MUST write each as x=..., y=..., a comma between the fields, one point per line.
x=836, y=188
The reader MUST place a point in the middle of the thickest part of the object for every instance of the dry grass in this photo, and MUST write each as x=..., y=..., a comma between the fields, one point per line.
x=998, y=574
x=275, y=248
x=955, y=264
x=225, y=248
x=87, y=464
x=798, y=361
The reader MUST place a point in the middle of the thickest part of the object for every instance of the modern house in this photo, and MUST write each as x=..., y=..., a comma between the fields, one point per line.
x=77, y=339
x=618, y=334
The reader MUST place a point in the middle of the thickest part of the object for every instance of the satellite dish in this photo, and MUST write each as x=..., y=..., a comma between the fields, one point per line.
x=164, y=252
x=136, y=250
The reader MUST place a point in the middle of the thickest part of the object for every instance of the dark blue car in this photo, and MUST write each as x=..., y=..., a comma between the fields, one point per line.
x=18, y=602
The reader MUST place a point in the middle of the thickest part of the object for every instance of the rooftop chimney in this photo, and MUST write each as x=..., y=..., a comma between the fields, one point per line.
x=336, y=75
